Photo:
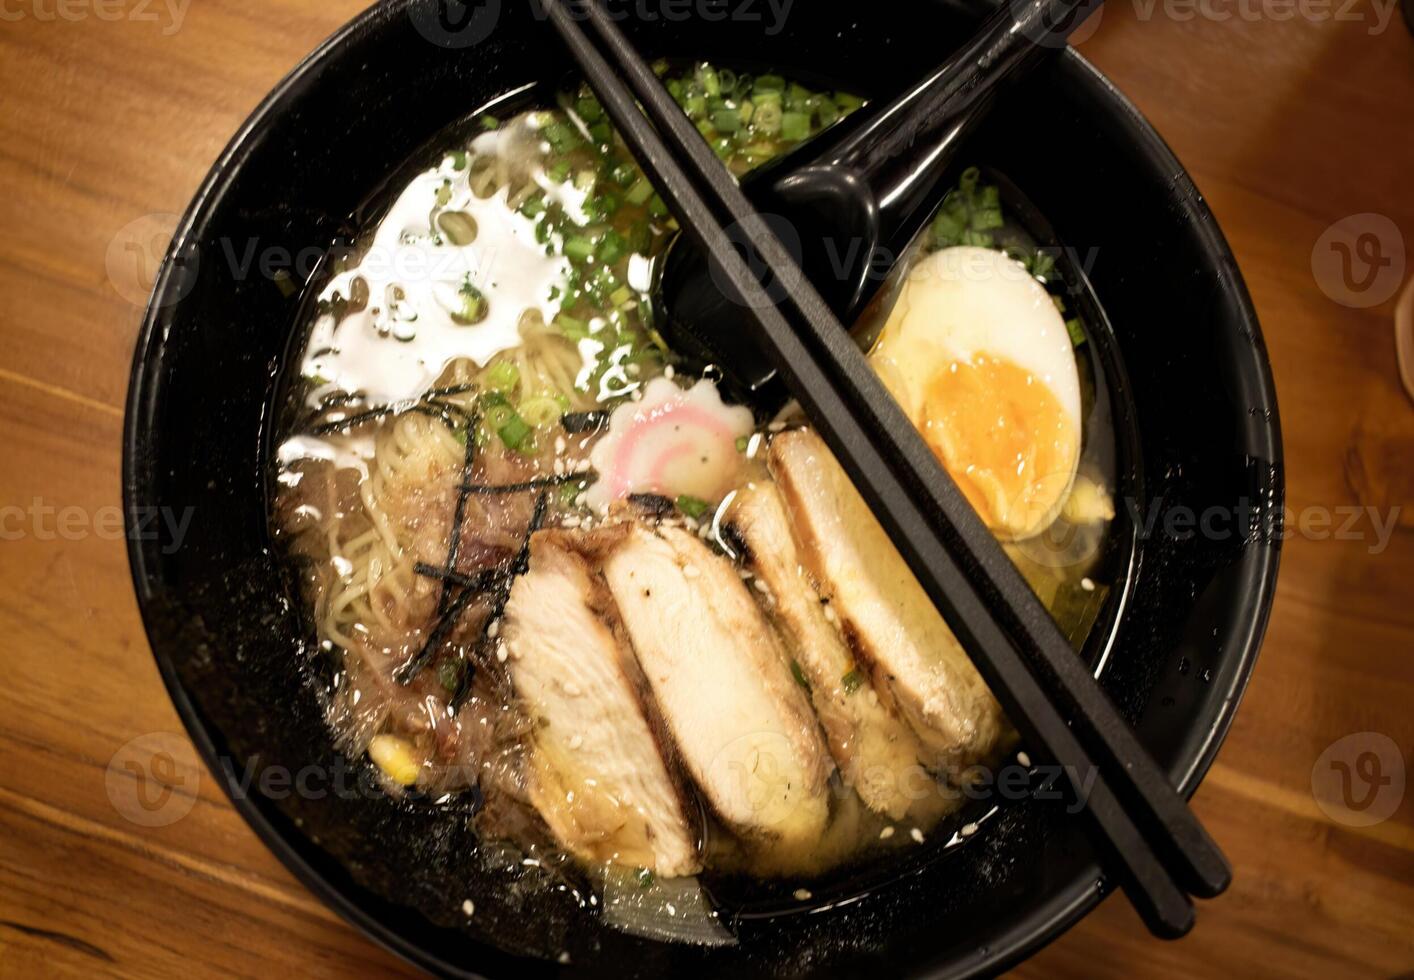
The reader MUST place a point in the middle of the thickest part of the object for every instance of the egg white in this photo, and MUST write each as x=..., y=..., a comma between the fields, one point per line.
x=964, y=302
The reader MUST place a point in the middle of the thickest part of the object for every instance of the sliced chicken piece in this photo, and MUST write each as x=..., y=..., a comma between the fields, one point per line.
x=886, y=617
x=742, y=725
x=876, y=752
x=596, y=769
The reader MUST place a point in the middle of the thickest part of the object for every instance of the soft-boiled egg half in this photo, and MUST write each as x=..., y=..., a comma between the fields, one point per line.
x=979, y=358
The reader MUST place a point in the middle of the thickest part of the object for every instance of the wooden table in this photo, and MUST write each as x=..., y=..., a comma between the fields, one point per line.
x=1287, y=124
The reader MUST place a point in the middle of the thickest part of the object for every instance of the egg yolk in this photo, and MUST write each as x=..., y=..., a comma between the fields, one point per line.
x=1002, y=435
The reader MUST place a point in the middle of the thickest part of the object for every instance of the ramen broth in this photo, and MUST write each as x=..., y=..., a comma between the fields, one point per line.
x=477, y=459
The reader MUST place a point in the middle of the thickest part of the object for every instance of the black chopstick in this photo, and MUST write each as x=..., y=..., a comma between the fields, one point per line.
x=1187, y=849
x=907, y=490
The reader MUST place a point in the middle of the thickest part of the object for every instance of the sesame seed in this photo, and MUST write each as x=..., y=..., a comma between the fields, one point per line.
x=494, y=630
x=802, y=894
x=571, y=521
x=917, y=835
x=761, y=585
x=968, y=829
x=1087, y=584
x=576, y=741
x=668, y=372
x=776, y=427
x=1024, y=759
x=468, y=908
x=559, y=444
x=501, y=653
x=886, y=833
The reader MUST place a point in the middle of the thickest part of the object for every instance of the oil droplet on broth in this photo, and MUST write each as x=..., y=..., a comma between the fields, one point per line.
x=412, y=285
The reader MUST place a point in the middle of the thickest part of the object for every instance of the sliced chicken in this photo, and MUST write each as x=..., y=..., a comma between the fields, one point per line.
x=596, y=770
x=887, y=619
x=742, y=725
x=876, y=752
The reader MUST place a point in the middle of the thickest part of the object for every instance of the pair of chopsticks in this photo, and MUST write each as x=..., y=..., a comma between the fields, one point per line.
x=1147, y=835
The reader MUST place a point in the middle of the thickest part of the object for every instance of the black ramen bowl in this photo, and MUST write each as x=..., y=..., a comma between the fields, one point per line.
x=1198, y=436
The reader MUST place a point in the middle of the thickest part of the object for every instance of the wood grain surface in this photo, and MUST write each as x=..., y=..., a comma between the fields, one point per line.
x=1290, y=119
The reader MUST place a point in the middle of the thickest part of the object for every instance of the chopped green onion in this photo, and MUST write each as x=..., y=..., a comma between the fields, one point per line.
x=947, y=229
x=579, y=248
x=621, y=296
x=851, y=680
x=458, y=226
x=795, y=126
x=505, y=421
x=515, y=433
x=693, y=507
x=474, y=306
x=710, y=80
x=1076, y=331
x=571, y=327
x=489, y=121
x=986, y=218
x=741, y=443
x=449, y=674
x=980, y=239
x=458, y=159
x=645, y=877
x=561, y=136
x=640, y=192
x=847, y=103
x=589, y=109
x=769, y=83
x=502, y=376
x=623, y=174
x=726, y=120
x=799, y=675
x=611, y=248
x=541, y=410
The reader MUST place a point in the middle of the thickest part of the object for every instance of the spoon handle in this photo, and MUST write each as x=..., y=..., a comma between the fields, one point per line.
x=886, y=162
x=939, y=111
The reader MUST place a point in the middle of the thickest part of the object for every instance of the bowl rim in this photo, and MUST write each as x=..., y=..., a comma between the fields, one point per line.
x=1027, y=934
